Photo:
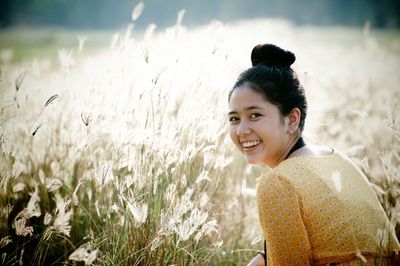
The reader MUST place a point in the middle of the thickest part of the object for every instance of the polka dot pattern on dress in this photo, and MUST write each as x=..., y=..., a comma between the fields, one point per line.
x=320, y=210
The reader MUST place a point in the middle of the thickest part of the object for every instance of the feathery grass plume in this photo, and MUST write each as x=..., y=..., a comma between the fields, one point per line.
x=84, y=253
x=61, y=223
x=53, y=184
x=4, y=241
x=139, y=212
x=137, y=11
x=47, y=218
x=246, y=190
x=21, y=229
x=206, y=229
x=66, y=59
x=115, y=41
x=51, y=99
x=37, y=129
x=5, y=211
x=86, y=118
x=81, y=42
x=187, y=227
x=18, y=187
x=204, y=175
x=179, y=17
x=33, y=208
x=145, y=52
x=204, y=200
x=359, y=255
x=148, y=33
x=19, y=79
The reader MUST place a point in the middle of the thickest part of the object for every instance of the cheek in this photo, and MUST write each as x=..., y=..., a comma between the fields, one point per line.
x=232, y=134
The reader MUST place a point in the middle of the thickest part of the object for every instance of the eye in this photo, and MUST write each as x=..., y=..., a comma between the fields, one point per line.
x=233, y=119
x=255, y=115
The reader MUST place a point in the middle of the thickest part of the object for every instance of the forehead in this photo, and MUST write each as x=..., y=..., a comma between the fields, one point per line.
x=244, y=96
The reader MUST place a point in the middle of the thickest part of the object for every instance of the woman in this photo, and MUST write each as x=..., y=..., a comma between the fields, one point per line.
x=315, y=207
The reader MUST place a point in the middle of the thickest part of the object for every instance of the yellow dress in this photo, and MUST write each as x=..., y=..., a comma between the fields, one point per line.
x=322, y=211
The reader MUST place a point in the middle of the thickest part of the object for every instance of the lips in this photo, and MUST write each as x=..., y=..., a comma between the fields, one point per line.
x=250, y=145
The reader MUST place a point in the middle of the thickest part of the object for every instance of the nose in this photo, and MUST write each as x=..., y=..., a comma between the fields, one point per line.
x=243, y=129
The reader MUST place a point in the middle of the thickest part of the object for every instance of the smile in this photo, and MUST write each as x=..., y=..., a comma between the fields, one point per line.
x=250, y=144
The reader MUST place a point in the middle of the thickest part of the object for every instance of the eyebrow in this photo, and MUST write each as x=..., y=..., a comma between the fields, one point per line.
x=247, y=109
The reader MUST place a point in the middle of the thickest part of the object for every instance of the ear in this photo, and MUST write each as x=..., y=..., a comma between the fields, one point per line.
x=294, y=120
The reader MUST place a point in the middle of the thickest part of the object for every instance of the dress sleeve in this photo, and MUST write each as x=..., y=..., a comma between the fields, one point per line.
x=279, y=209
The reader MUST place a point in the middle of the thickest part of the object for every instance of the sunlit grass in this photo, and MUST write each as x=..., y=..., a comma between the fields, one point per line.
x=121, y=157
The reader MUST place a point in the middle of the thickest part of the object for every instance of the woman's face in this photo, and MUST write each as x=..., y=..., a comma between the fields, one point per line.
x=257, y=127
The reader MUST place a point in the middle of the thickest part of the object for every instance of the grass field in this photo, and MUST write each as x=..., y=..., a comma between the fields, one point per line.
x=116, y=153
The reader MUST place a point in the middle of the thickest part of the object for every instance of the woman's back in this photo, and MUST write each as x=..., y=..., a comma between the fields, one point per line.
x=329, y=212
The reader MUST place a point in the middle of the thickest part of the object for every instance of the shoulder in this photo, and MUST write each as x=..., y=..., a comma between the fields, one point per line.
x=273, y=182
x=313, y=150
x=274, y=192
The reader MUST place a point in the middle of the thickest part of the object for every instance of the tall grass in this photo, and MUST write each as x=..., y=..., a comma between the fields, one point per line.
x=122, y=158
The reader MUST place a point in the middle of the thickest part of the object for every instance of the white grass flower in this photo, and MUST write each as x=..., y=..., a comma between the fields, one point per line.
x=21, y=229
x=256, y=240
x=186, y=228
x=218, y=244
x=82, y=40
x=167, y=222
x=185, y=204
x=179, y=17
x=85, y=254
x=204, y=199
x=104, y=173
x=61, y=223
x=184, y=180
x=75, y=199
x=378, y=190
x=206, y=229
x=96, y=205
x=137, y=11
x=18, y=187
x=170, y=192
x=139, y=212
x=365, y=164
x=383, y=238
x=47, y=218
x=66, y=59
x=53, y=184
x=149, y=31
x=32, y=207
x=42, y=177
x=244, y=190
x=115, y=40
x=156, y=243
x=18, y=168
x=359, y=255
x=55, y=168
x=5, y=241
x=115, y=208
x=204, y=175
x=221, y=162
x=5, y=211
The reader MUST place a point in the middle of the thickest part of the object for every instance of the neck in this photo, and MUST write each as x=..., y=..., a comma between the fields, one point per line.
x=285, y=153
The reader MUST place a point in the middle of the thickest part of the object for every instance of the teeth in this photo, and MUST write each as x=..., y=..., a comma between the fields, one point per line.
x=248, y=144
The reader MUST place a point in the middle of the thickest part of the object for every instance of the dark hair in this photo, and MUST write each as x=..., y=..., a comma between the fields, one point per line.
x=272, y=76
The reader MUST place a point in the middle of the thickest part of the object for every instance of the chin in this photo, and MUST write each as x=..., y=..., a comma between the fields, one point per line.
x=253, y=160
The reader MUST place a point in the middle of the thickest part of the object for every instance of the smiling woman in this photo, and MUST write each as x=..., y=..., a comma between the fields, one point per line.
x=315, y=206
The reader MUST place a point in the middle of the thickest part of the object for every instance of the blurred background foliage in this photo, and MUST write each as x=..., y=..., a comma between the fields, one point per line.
x=110, y=14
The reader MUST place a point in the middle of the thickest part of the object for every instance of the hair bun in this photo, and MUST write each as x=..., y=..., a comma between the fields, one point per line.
x=271, y=55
